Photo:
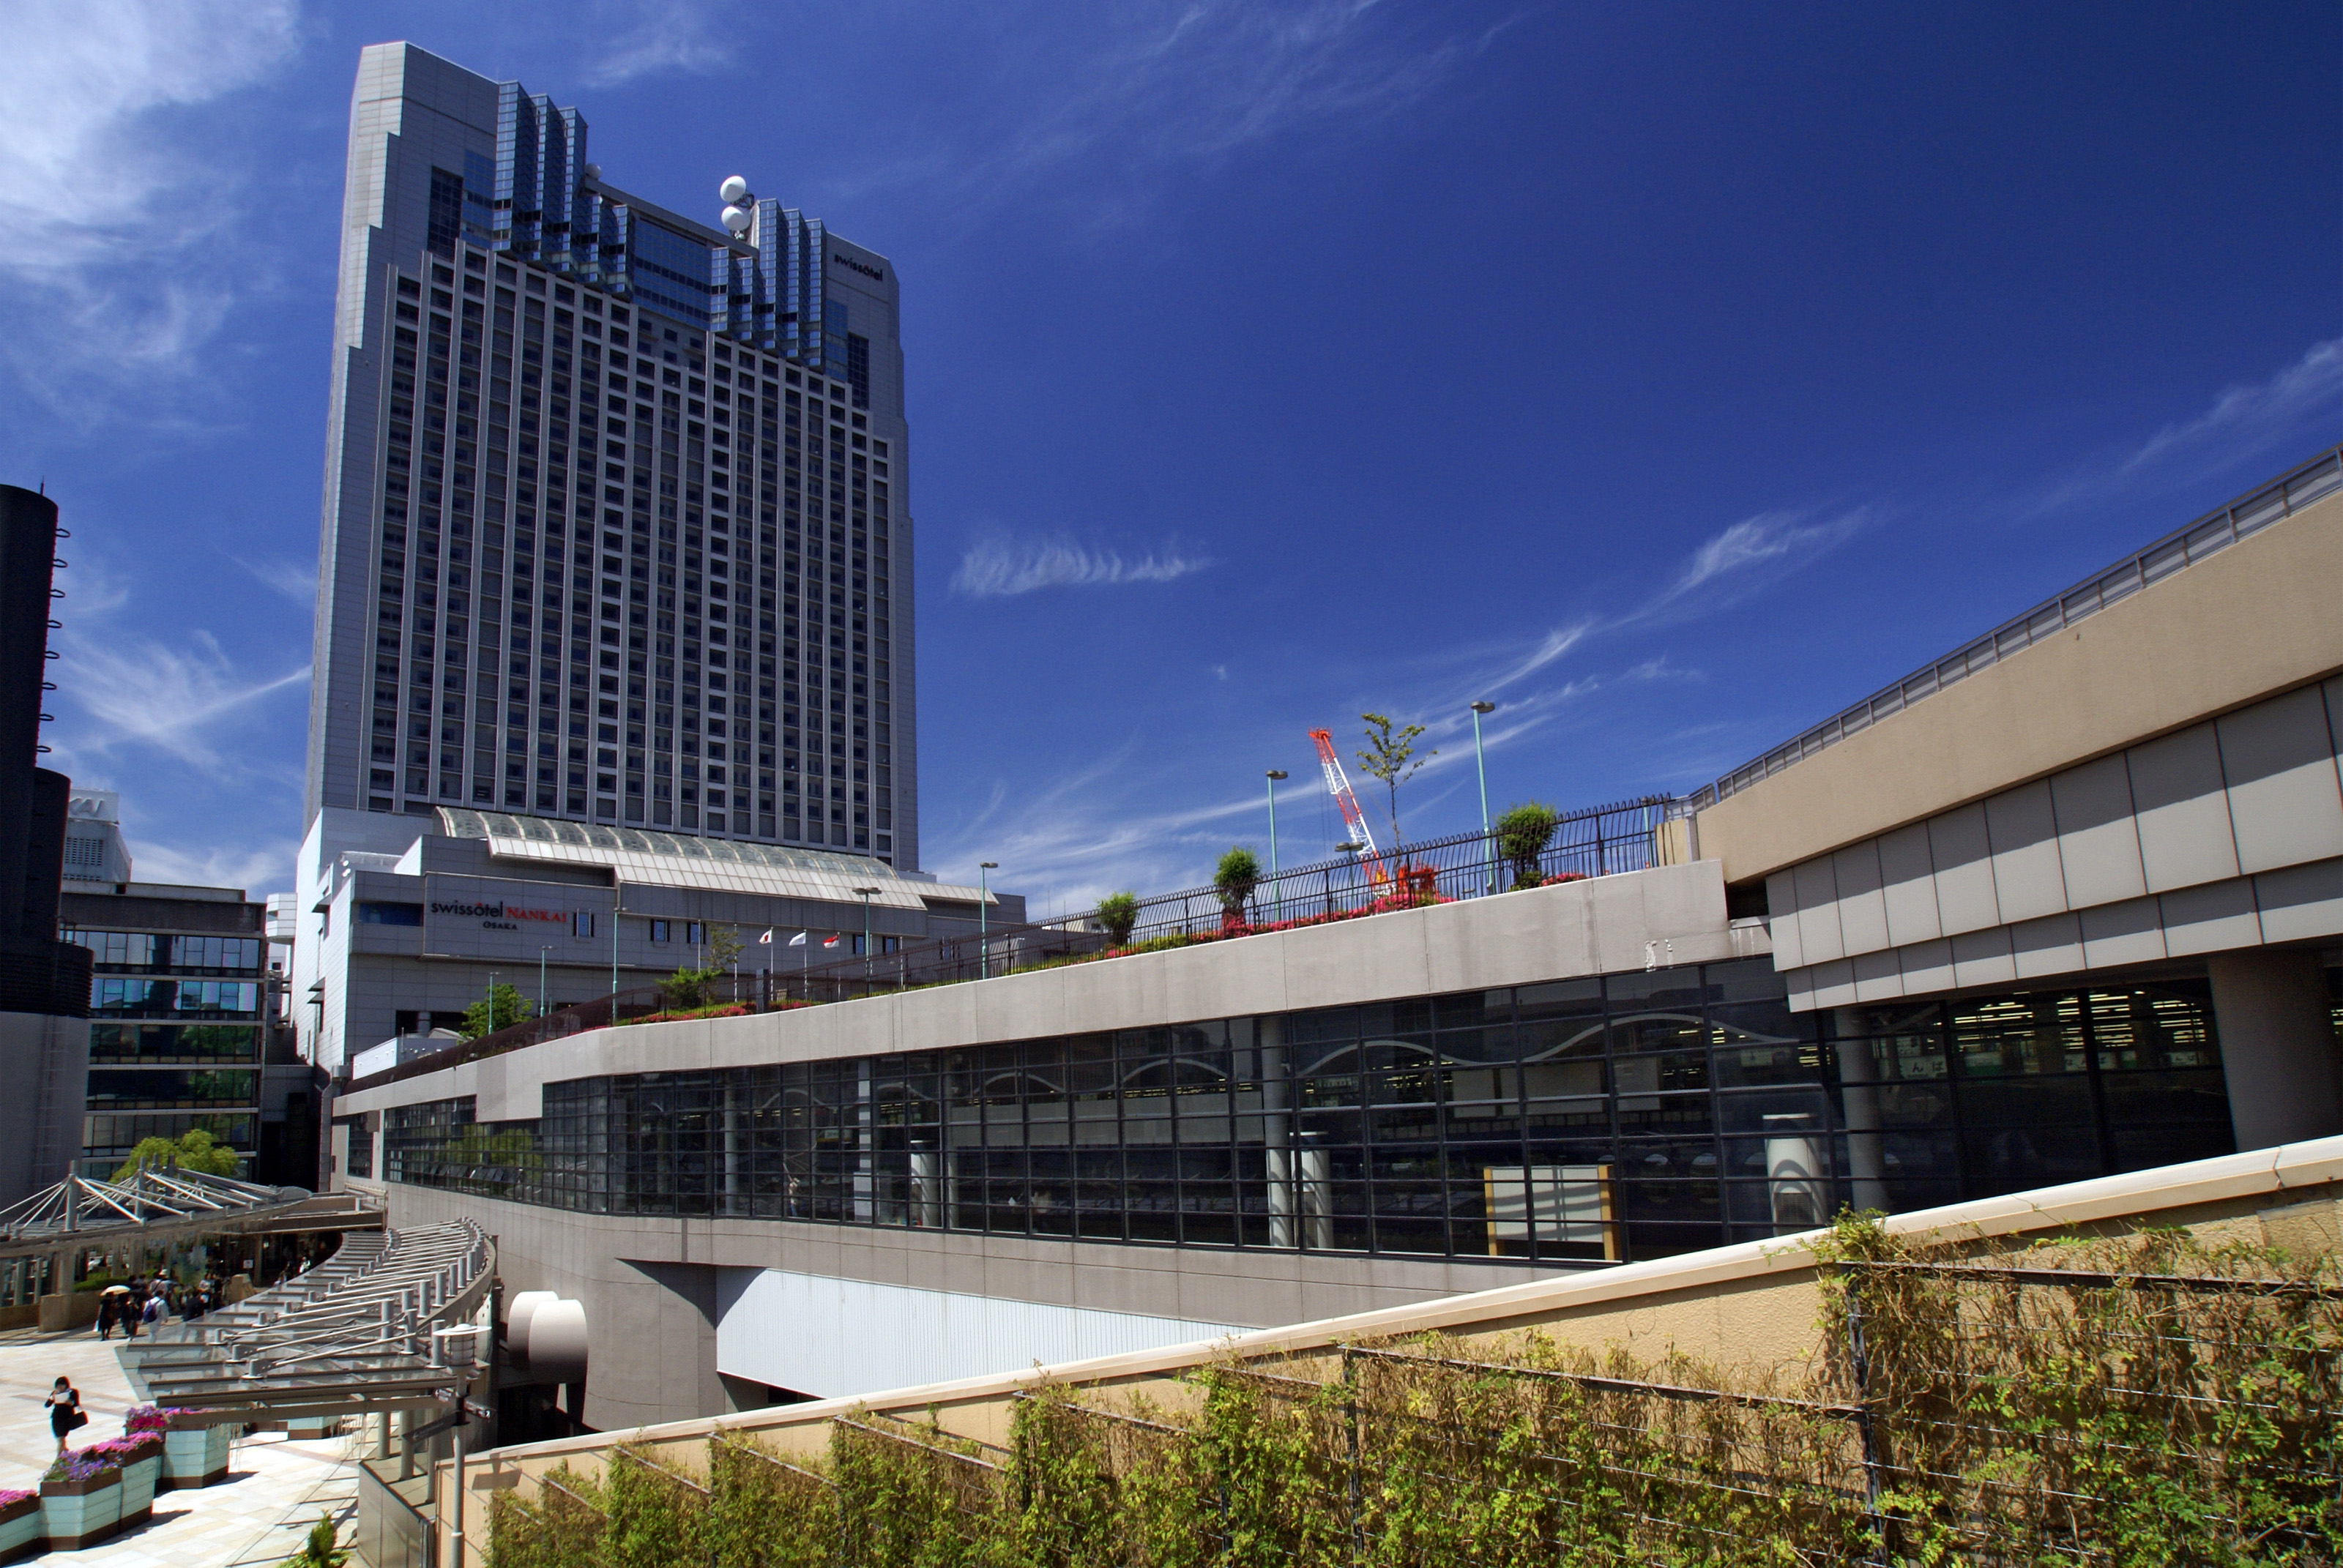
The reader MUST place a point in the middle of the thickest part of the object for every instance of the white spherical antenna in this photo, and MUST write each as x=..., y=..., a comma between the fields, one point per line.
x=593, y=171
x=733, y=190
x=737, y=219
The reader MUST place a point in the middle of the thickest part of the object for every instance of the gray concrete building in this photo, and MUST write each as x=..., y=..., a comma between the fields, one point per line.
x=406, y=928
x=2067, y=904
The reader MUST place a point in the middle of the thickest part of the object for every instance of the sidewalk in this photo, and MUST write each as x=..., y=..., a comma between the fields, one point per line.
x=273, y=1492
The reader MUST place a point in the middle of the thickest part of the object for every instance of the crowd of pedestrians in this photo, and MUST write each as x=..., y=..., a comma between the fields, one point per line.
x=148, y=1303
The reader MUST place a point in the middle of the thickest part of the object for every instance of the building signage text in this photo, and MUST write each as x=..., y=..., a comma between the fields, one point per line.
x=863, y=267
x=498, y=916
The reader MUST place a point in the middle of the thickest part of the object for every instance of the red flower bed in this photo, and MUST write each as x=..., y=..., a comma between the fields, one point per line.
x=1415, y=880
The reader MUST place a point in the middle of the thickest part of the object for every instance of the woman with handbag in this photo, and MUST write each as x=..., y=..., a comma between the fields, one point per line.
x=65, y=1410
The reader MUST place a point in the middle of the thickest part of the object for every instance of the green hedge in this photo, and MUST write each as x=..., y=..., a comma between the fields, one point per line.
x=2087, y=1400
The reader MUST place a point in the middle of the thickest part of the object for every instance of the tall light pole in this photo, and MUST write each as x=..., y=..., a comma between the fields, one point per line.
x=540, y=980
x=1488, y=845
x=492, y=1004
x=866, y=893
x=983, y=897
x=1277, y=893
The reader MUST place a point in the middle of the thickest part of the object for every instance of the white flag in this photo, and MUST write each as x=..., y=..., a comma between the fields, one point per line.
x=795, y=942
x=767, y=939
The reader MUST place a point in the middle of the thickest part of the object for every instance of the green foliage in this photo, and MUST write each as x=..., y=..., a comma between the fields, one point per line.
x=1117, y=912
x=194, y=1149
x=723, y=948
x=1235, y=878
x=1391, y=757
x=320, y=1551
x=2114, y=1420
x=1523, y=833
x=503, y=1007
x=686, y=988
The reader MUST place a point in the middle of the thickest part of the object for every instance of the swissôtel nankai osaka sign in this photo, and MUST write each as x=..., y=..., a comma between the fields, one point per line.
x=498, y=915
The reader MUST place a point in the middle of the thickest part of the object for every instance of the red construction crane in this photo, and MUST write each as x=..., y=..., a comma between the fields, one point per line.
x=1352, y=817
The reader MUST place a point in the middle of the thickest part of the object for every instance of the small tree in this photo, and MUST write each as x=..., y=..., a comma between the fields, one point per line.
x=503, y=1007
x=1522, y=834
x=1117, y=914
x=688, y=988
x=194, y=1149
x=723, y=948
x=1391, y=757
x=320, y=1551
x=1234, y=879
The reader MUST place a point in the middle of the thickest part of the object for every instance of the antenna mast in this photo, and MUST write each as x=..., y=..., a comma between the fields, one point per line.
x=1353, y=818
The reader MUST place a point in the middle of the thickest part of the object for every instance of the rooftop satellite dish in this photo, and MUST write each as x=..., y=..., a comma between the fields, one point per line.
x=734, y=191
x=738, y=220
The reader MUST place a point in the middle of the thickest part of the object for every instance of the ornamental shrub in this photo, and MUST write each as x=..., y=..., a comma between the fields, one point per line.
x=1117, y=912
x=1234, y=879
x=1523, y=833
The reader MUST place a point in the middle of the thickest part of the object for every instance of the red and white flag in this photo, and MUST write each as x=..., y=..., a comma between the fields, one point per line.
x=831, y=942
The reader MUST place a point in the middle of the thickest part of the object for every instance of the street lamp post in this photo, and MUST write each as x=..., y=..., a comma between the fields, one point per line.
x=540, y=980
x=1277, y=893
x=1488, y=845
x=983, y=897
x=866, y=893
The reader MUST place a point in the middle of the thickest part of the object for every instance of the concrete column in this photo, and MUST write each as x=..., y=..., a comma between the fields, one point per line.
x=2278, y=1051
x=1858, y=1077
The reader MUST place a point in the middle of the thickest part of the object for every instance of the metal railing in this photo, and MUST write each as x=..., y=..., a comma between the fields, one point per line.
x=2181, y=548
x=1598, y=842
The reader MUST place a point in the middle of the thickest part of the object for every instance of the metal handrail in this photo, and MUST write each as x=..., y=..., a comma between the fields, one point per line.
x=2181, y=548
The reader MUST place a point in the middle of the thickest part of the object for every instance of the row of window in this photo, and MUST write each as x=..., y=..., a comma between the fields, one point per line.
x=173, y=1042
x=141, y=950
x=419, y=767
x=118, y=994
x=1647, y=1114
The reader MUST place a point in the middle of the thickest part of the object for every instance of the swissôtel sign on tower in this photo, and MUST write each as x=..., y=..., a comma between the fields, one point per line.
x=498, y=915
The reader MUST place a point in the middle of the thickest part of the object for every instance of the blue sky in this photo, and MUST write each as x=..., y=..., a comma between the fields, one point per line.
x=1670, y=374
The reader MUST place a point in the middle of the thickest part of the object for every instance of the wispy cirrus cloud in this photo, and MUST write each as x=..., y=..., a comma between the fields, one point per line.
x=295, y=580
x=138, y=692
x=99, y=191
x=668, y=37
x=1000, y=567
x=2258, y=414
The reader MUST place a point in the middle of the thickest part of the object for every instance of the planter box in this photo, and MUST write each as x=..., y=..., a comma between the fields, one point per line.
x=139, y=1480
x=21, y=1530
x=77, y=1513
x=195, y=1458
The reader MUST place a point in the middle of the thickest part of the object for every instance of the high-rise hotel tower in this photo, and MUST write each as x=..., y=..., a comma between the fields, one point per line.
x=614, y=527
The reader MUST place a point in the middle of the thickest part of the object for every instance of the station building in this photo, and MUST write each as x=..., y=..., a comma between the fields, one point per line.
x=2065, y=903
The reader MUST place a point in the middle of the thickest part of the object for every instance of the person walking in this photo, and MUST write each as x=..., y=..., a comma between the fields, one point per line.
x=65, y=1410
x=107, y=1311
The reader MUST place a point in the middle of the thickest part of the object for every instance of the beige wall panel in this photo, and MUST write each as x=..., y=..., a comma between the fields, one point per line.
x=2301, y=903
x=1908, y=886
x=2257, y=618
x=1878, y=976
x=2050, y=945
x=1926, y=967
x=2131, y=932
x=1962, y=853
x=2183, y=810
x=1831, y=984
x=1862, y=902
x=2211, y=918
x=2027, y=880
x=1819, y=936
x=1781, y=901
x=1983, y=957
x=2098, y=844
x=2285, y=805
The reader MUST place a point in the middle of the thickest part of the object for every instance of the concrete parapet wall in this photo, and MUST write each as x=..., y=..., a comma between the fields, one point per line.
x=1637, y=919
x=1751, y=1309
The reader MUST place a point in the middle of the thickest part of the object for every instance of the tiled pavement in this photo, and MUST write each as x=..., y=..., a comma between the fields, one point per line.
x=273, y=1492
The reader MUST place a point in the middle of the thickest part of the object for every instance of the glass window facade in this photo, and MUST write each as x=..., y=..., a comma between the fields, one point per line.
x=1584, y=1121
x=174, y=1040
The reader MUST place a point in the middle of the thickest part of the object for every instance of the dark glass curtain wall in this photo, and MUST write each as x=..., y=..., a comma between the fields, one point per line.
x=1588, y=1120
